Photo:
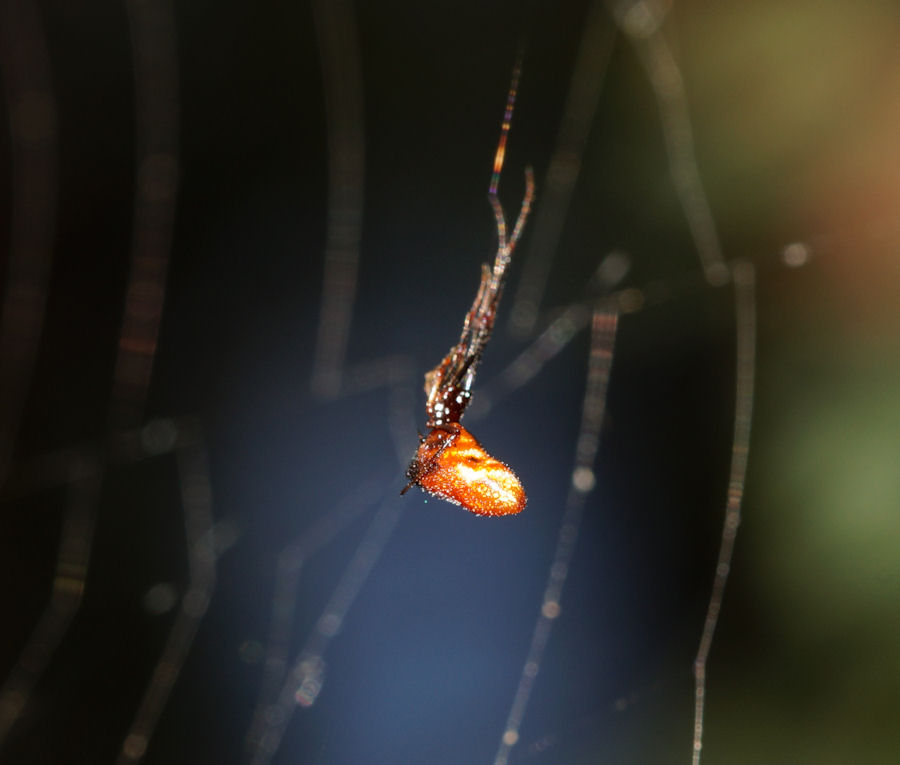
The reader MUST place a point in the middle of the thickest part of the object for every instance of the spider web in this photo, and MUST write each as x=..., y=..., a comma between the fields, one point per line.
x=237, y=236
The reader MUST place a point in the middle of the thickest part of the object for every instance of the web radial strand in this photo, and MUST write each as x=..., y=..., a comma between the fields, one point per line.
x=603, y=333
x=744, y=278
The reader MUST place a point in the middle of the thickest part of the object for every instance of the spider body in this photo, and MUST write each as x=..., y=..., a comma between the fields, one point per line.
x=450, y=463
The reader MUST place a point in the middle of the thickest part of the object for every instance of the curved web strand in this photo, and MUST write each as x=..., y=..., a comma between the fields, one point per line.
x=342, y=74
x=603, y=333
x=82, y=496
x=152, y=29
x=204, y=545
x=25, y=71
x=340, y=59
x=156, y=127
x=641, y=21
x=743, y=277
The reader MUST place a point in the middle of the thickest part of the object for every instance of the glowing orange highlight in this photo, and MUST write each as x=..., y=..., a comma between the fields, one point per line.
x=451, y=464
x=500, y=156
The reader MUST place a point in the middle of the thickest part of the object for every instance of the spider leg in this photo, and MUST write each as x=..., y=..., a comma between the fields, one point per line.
x=501, y=225
x=504, y=131
x=501, y=155
x=527, y=201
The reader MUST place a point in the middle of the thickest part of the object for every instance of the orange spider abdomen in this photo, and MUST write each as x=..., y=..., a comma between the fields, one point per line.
x=451, y=464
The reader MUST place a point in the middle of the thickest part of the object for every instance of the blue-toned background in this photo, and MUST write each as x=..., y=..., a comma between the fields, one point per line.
x=794, y=115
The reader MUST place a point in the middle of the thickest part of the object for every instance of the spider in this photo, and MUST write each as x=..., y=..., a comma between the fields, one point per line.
x=450, y=463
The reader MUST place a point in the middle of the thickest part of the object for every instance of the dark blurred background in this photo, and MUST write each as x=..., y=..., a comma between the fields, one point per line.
x=206, y=148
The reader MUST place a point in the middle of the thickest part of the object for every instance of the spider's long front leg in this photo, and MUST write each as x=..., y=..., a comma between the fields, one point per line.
x=448, y=385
